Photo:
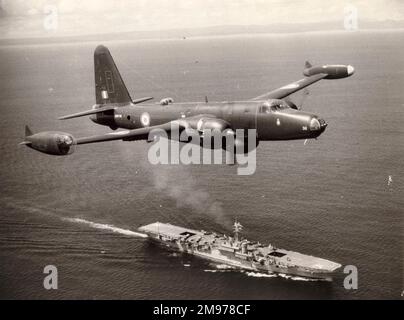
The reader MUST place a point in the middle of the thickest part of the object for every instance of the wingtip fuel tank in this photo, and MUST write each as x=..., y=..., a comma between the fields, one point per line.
x=333, y=71
x=50, y=142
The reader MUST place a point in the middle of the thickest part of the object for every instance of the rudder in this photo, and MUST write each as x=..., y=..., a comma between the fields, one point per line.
x=109, y=86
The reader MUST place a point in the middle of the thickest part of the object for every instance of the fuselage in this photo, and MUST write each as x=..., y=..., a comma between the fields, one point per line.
x=272, y=119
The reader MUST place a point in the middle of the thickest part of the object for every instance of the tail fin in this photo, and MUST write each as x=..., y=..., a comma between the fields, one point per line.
x=28, y=131
x=109, y=86
x=307, y=64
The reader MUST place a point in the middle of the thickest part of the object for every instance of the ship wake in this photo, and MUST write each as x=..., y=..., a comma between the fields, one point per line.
x=297, y=278
x=282, y=275
x=260, y=275
x=107, y=227
x=227, y=268
x=220, y=268
x=14, y=203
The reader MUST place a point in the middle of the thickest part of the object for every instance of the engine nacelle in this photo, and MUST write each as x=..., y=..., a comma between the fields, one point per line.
x=335, y=71
x=212, y=124
x=52, y=142
x=166, y=101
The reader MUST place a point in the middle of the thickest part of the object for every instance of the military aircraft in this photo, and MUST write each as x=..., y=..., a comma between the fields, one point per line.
x=273, y=115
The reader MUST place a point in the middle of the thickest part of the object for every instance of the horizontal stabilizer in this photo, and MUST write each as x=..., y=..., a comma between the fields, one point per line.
x=87, y=113
x=140, y=100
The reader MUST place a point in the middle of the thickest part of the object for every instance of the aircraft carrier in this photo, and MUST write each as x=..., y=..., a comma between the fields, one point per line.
x=240, y=253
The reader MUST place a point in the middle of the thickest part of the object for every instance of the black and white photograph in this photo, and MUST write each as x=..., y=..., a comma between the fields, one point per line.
x=200, y=150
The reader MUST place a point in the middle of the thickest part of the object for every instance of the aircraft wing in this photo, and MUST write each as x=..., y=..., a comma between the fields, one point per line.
x=61, y=143
x=128, y=135
x=293, y=87
x=143, y=133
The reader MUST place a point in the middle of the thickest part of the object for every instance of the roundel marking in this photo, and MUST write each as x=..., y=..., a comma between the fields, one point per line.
x=145, y=119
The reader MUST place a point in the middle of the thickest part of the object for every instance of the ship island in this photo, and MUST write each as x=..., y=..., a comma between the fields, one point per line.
x=237, y=252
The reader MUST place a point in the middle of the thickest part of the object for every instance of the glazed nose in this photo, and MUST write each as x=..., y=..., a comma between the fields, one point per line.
x=314, y=124
x=317, y=124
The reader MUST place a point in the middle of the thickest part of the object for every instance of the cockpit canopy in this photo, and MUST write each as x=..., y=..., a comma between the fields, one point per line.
x=273, y=106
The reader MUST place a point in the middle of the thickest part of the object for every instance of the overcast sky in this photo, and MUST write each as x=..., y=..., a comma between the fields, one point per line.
x=103, y=16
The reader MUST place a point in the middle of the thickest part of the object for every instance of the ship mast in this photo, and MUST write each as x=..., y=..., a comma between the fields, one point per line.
x=237, y=227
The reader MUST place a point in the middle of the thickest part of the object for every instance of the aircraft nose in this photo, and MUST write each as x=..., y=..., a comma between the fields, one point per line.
x=350, y=70
x=317, y=124
x=314, y=124
x=323, y=124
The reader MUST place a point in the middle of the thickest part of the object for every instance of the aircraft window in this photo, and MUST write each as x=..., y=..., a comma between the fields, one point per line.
x=273, y=106
x=265, y=109
x=278, y=105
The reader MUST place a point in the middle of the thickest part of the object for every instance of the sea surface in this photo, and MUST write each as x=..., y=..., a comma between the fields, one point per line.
x=339, y=197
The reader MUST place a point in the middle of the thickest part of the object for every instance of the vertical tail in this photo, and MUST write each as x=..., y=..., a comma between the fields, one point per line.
x=28, y=131
x=109, y=86
x=307, y=64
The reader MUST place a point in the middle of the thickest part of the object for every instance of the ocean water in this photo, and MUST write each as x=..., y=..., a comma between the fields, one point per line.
x=329, y=197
